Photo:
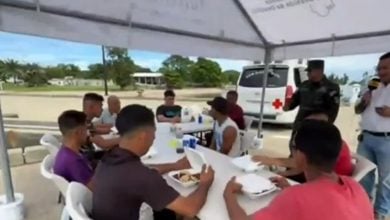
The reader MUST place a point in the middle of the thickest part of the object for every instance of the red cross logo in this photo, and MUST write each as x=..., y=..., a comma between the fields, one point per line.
x=277, y=104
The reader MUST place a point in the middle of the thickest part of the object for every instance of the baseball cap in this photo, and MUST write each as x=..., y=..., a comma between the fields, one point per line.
x=220, y=104
x=315, y=64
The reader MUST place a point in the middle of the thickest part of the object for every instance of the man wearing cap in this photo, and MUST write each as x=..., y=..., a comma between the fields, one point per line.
x=317, y=93
x=226, y=137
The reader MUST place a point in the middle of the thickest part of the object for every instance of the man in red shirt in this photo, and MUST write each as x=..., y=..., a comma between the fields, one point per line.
x=325, y=196
x=235, y=111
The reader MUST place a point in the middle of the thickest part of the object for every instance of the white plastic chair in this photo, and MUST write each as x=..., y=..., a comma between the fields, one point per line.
x=248, y=122
x=79, y=201
x=51, y=143
x=246, y=140
x=47, y=167
x=362, y=167
x=60, y=182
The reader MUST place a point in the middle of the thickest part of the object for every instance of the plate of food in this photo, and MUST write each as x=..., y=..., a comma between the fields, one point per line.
x=190, y=177
x=186, y=178
x=255, y=186
x=246, y=163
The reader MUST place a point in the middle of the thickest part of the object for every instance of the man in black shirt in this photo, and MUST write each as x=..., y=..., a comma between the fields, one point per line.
x=122, y=182
x=169, y=112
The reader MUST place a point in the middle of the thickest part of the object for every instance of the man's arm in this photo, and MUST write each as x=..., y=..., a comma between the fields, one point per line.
x=105, y=144
x=295, y=101
x=334, y=103
x=162, y=118
x=363, y=103
x=168, y=167
x=229, y=136
x=190, y=206
x=103, y=128
x=282, y=162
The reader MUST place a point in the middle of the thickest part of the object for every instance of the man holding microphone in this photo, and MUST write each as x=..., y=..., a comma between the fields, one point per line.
x=374, y=142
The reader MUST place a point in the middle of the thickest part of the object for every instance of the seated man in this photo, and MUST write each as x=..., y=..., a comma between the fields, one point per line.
x=109, y=114
x=326, y=196
x=93, y=108
x=343, y=166
x=169, y=112
x=122, y=182
x=226, y=137
x=69, y=163
x=235, y=111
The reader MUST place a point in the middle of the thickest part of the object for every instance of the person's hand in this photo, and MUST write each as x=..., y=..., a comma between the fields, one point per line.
x=232, y=187
x=383, y=111
x=96, y=139
x=263, y=160
x=280, y=182
x=182, y=164
x=366, y=99
x=206, y=176
x=176, y=119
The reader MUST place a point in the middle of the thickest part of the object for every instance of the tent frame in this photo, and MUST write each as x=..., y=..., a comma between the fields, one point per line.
x=269, y=47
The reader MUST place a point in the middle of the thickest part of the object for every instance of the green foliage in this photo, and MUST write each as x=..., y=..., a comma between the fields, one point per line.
x=232, y=76
x=33, y=78
x=11, y=68
x=176, y=70
x=63, y=70
x=207, y=73
x=95, y=71
x=121, y=67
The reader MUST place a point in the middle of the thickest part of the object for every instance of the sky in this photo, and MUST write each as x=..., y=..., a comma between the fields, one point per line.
x=49, y=52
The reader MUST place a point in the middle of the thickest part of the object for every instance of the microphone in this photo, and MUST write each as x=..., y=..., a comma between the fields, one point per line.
x=373, y=84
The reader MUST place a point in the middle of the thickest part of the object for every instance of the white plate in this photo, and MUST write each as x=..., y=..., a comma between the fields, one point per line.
x=255, y=186
x=246, y=164
x=151, y=153
x=184, y=184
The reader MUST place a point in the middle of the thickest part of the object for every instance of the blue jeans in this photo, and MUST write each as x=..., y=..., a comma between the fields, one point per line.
x=377, y=150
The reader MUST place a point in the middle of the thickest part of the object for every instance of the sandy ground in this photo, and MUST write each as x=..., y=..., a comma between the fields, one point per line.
x=41, y=195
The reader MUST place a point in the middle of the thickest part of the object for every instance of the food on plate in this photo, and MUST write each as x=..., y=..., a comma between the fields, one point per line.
x=185, y=176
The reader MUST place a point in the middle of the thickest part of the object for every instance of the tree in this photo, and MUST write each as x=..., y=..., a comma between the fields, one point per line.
x=121, y=67
x=141, y=69
x=177, y=69
x=11, y=68
x=207, y=73
x=95, y=71
x=63, y=70
x=232, y=76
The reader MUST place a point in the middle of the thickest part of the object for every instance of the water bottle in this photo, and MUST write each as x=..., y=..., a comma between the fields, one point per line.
x=200, y=119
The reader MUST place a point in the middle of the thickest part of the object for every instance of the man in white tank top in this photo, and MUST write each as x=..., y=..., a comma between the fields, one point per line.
x=226, y=134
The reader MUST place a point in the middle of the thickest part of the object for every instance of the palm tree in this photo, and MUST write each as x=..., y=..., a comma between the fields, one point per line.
x=12, y=67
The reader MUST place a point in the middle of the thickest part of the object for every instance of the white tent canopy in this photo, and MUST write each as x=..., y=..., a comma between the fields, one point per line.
x=237, y=29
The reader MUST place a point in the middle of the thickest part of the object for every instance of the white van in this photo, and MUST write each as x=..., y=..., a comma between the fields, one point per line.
x=283, y=79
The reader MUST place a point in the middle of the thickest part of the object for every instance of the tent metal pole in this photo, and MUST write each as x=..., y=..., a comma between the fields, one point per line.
x=4, y=161
x=267, y=61
x=105, y=71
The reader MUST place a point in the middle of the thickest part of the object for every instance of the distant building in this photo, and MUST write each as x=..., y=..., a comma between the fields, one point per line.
x=70, y=81
x=149, y=79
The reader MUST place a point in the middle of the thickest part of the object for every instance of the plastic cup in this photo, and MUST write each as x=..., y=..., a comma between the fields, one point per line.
x=193, y=143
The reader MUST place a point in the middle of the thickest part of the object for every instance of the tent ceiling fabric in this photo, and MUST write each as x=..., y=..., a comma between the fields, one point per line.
x=236, y=29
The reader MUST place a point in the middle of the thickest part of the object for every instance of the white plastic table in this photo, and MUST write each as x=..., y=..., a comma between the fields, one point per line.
x=188, y=127
x=214, y=209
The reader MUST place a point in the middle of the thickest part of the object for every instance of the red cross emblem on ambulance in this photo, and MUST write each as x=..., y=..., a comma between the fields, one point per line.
x=277, y=104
